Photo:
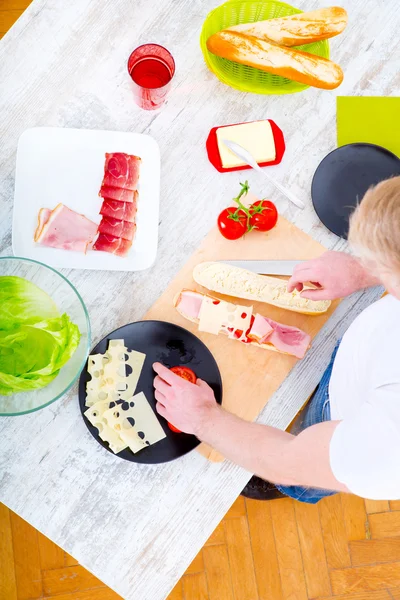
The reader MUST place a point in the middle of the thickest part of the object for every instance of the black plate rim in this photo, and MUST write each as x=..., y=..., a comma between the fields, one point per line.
x=326, y=157
x=83, y=374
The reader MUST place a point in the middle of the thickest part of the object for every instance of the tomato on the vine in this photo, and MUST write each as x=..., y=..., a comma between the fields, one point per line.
x=232, y=223
x=264, y=215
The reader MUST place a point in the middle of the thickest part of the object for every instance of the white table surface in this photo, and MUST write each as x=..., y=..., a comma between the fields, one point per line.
x=64, y=64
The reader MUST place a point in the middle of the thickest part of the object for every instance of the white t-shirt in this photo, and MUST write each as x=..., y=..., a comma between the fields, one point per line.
x=364, y=394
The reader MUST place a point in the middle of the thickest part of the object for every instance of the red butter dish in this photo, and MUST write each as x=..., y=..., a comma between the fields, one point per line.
x=215, y=159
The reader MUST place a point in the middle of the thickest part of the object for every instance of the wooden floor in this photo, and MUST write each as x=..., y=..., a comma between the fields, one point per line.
x=341, y=549
x=10, y=11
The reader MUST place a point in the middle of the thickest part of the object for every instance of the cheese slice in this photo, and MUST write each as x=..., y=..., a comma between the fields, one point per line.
x=215, y=315
x=109, y=373
x=240, y=322
x=256, y=137
x=99, y=394
x=96, y=369
x=114, y=378
x=94, y=415
x=135, y=422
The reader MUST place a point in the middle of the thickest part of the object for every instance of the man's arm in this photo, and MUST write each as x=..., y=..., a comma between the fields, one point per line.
x=272, y=454
x=336, y=275
x=269, y=452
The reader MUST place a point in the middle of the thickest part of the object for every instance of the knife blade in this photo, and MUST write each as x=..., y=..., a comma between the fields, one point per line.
x=265, y=267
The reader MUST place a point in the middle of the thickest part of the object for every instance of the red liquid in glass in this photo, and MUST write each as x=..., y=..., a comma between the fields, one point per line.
x=151, y=73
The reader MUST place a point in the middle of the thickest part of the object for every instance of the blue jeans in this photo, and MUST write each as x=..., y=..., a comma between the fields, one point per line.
x=317, y=410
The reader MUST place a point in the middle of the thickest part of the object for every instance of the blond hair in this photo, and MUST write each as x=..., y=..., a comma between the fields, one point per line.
x=375, y=226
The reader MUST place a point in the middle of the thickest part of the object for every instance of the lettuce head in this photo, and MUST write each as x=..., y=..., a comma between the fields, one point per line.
x=35, y=340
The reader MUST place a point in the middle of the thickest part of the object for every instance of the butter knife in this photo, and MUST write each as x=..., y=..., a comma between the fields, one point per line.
x=249, y=159
x=265, y=267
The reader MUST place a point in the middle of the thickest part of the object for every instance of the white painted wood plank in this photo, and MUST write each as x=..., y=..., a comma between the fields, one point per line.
x=64, y=64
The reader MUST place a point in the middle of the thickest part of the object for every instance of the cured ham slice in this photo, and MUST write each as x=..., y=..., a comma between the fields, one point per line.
x=117, y=228
x=124, y=211
x=65, y=229
x=124, y=247
x=112, y=244
x=119, y=194
x=237, y=322
x=107, y=243
x=121, y=171
x=118, y=224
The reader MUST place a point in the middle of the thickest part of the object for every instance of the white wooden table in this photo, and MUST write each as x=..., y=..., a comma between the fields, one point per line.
x=64, y=64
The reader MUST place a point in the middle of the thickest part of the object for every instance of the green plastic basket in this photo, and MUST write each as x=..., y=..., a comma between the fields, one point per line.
x=242, y=77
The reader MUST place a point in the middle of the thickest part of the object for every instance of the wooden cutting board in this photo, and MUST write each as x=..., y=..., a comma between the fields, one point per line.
x=250, y=375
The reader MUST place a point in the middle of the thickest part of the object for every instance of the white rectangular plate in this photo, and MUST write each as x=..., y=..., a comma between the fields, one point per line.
x=66, y=166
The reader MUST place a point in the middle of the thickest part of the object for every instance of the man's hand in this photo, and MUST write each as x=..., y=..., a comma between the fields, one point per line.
x=188, y=406
x=336, y=275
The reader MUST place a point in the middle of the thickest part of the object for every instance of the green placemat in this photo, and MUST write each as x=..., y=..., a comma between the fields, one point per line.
x=372, y=119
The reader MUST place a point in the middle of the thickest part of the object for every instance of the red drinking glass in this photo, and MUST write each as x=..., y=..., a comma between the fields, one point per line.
x=151, y=68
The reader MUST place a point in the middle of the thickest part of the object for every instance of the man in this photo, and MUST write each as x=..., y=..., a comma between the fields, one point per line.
x=351, y=440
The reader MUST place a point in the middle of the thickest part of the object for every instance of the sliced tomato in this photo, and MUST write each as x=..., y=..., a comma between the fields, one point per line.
x=173, y=428
x=232, y=223
x=187, y=374
x=264, y=215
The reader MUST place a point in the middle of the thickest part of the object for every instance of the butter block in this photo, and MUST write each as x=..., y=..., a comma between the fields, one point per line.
x=256, y=137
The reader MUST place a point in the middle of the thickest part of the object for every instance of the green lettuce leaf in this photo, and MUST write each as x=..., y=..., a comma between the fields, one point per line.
x=21, y=301
x=35, y=341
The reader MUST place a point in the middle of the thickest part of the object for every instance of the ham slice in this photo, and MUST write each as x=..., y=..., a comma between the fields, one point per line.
x=283, y=337
x=288, y=339
x=260, y=329
x=121, y=171
x=43, y=217
x=112, y=244
x=117, y=228
x=65, y=229
x=119, y=194
x=190, y=303
x=124, y=211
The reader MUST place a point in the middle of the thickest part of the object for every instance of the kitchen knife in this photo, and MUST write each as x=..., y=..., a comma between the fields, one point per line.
x=265, y=267
x=249, y=159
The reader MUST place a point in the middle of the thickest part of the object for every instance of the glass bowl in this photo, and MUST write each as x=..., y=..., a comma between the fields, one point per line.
x=68, y=301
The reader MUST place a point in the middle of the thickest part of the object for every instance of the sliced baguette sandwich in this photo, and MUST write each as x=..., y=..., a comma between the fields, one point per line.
x=238, y=323
x=295, y=30
x=296, y=65
x=233, y=281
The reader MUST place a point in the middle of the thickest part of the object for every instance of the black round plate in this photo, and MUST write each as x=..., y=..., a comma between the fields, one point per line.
x=170, y=345
x=343, y=177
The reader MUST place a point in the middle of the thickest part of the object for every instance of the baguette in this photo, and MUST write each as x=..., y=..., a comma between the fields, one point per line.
x=295, y=30
x=279, y=335
x=233, y=281
x=296, y=65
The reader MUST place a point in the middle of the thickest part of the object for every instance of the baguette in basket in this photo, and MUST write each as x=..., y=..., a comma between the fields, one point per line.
x=296, y=65
x=295, y=30
x=238, y=323
x=234, y=281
